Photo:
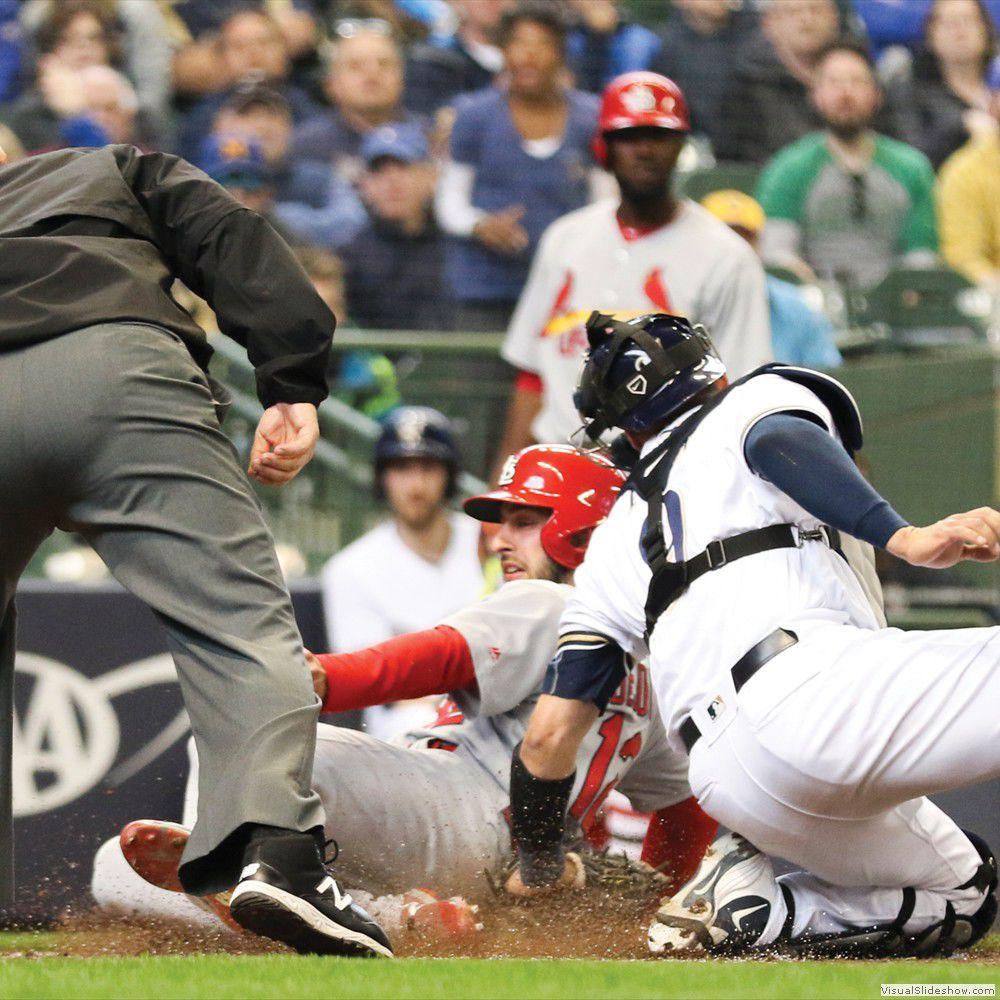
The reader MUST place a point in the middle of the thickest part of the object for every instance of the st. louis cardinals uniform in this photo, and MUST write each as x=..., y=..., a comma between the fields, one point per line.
x=378, y=587
x=824, y=755
x=430, y=809
x=694, y=266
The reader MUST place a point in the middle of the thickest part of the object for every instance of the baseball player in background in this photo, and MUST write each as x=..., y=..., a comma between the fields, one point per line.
x=414, y=568
x=648, y=251
x=432, y=809
x=814, y=731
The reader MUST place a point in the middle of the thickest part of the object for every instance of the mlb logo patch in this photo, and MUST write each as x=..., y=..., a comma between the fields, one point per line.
x=716, y=707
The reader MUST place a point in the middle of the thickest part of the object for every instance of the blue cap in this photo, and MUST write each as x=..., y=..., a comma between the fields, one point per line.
x=417, y=432
x=230, y=160
x=403, y=142
x=993, y=74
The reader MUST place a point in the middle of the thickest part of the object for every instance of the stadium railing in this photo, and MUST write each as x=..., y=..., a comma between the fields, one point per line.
x=931, y=420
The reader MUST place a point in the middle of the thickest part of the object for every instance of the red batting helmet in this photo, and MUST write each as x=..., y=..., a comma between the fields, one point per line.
x=577, y=487
x=637, y=100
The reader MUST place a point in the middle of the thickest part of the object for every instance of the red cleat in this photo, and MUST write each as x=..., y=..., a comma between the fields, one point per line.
x=153, y=849
x=424, y=911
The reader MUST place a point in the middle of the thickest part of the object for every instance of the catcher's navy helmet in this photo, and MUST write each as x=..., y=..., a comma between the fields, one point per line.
x=640, y=371
x=417, y=432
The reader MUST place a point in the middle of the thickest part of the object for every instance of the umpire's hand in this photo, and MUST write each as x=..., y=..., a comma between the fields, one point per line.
x=284, y=443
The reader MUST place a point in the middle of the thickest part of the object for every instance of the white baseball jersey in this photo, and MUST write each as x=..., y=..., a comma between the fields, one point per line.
x=378, y=587
x=712, y=493
x=695, y=266
x=512, y=636
x=823, y=755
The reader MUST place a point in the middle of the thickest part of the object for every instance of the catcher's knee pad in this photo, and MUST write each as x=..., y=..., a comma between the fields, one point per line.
x=960, y=930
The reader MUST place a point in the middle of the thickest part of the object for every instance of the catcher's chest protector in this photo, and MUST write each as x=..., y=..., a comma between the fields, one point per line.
x=671, y=579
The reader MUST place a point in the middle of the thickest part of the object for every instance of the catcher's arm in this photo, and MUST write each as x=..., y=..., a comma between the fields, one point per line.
x=434, y=661
x=543, y=768
x=583, y=675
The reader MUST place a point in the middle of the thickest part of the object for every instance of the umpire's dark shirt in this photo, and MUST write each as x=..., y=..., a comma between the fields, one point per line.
x=98, y=236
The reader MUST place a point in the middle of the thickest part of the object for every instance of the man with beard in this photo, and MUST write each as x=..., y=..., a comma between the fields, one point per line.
x=431, y=809
x=414, y=569
x=847, y=203
x=647, y=251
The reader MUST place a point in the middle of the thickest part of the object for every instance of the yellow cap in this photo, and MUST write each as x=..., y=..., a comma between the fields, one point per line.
x=735, y=208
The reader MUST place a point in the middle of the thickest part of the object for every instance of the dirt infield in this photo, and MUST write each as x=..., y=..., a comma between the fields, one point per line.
x=588, y=924
x=583, y=925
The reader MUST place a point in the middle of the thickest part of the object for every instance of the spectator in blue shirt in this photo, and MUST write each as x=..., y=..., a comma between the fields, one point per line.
x=11, y=50
x=395, y=265
x=520, y=159
x=253, y=49
x=438, y=70
x=603, y=44
x=800, y=334
x=364, y=85
x=901, y=22
x=312, y=202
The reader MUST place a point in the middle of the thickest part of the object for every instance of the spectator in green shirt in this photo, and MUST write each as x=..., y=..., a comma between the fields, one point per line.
x=847, y=203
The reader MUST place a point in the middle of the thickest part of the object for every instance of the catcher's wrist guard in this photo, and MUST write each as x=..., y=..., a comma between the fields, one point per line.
x=537, y=822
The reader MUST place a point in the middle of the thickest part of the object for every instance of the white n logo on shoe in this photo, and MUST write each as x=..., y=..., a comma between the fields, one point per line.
x=341, y=901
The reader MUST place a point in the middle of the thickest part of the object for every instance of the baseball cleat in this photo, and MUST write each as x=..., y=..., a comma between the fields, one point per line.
x=153, y=849
x=425, y=911
x=723, y=908
x=285, y=893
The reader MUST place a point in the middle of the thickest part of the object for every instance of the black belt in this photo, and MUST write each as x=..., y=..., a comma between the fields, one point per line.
x=744, y=668
x=671, y=579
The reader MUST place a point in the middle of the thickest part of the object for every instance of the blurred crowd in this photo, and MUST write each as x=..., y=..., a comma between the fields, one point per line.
x=416, y=150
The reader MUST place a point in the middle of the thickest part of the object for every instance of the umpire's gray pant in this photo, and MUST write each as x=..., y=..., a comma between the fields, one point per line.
x=110, y=431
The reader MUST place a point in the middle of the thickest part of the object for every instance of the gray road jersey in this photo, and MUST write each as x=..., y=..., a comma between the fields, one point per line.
x=512, y=636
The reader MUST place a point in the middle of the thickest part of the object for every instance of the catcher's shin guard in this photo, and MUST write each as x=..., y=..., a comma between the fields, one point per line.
x=954, y=931
x=957, y=931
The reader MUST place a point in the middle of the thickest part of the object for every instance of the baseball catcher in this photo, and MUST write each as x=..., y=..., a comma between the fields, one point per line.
x=814, y=732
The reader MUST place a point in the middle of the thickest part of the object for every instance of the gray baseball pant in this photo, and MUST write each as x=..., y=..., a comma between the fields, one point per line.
x=111, y=431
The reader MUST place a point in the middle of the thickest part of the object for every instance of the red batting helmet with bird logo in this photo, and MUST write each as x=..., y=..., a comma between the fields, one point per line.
x=639, y=100
x=579, y=488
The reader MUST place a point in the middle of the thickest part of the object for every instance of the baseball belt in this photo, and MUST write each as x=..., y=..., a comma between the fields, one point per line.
x=744, y=668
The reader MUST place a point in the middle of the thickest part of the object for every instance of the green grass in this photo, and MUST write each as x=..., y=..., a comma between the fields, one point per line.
x=283, y=976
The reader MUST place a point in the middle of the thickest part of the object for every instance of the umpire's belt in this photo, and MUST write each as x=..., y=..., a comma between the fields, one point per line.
x=746, y=666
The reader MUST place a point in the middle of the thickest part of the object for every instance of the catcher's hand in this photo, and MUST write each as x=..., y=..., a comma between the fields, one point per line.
x=973, y=535
x=573, y=877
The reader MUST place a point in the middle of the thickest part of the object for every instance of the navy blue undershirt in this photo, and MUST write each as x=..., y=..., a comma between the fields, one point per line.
x=791, y=451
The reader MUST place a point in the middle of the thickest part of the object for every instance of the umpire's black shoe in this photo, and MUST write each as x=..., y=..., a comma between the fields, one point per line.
x=287, y=894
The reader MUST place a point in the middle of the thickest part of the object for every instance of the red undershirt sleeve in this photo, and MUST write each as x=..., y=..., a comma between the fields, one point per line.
x=528, y=382
x=435, y=661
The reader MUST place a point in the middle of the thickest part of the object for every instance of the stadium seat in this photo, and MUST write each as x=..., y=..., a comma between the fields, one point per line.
x=721, y=177
x=922, y=305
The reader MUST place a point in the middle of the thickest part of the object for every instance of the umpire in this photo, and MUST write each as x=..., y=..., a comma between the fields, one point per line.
x=111, y=429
